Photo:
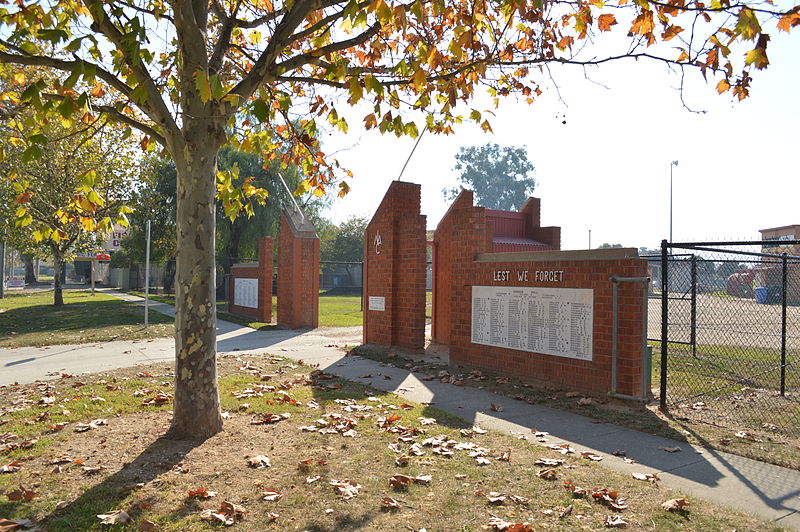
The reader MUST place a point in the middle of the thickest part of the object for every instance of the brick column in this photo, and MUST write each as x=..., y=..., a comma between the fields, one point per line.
x=298, y=272
x=394, y=271
x=251, y=277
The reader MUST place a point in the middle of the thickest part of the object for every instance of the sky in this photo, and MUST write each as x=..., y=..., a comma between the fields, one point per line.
x=604, y=175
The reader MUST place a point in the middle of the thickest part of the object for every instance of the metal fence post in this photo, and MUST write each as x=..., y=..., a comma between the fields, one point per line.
x=784, y=283
x=693, y=331
x=664, y=329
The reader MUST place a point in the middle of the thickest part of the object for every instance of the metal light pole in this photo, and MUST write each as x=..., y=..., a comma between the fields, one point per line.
x=673, y=163
x=147, y=277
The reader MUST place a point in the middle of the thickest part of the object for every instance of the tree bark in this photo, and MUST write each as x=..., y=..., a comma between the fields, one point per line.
x=30, y=271
x=58, y=270
x=196, y=408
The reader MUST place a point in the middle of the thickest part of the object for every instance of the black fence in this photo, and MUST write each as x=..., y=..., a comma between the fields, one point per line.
x=725, y=318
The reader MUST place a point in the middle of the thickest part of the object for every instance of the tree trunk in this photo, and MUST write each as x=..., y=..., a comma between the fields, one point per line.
x=30, y=271
x=196, y=408
x=58, y=271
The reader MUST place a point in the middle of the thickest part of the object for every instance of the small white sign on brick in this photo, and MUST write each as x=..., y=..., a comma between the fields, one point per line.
x=377, y=303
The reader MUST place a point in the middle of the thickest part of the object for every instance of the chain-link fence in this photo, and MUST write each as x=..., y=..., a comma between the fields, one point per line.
x=731, y=333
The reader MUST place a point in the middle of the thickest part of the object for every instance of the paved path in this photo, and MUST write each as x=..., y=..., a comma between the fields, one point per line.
x=765, y=490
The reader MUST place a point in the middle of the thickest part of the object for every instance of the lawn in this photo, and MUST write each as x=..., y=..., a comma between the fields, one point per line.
x=334, y=311
x=30, y=319
x=301, y=451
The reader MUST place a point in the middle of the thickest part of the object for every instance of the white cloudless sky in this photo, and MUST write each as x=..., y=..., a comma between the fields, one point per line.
x=607, y=169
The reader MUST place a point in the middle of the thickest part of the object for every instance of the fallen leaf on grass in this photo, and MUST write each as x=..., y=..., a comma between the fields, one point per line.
x=652, y=477
x=609, y=498
x=482, y=461
x=202, y=493
x=147, y=526
x=8, y=525
x=114, y=517
x=11, y=467
x=228, y=514
x=505, y=456
x=272, y=516
x=390, y=503
x=675, y=504
x=591, y=456
x=495, y=523
x=347, y=489
x=265, y=419
x=563, y=448
x=402, y=460
x=552, y=462
x=311, y=480
x=747, y=436
x=400, y=482
x=547, y=474
x=271, y=495
x=160, y=398
x=22, y=494
x=584, y=401
x=615, y=521
x=258, y=462
x=83, y=427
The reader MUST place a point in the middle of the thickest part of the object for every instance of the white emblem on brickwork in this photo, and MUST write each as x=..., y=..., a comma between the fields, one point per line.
x=378, y=243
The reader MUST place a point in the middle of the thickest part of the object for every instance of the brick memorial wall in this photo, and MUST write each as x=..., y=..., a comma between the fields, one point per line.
x=394, y=271
x=538, y=314
x=250, y=285
x=298, y=272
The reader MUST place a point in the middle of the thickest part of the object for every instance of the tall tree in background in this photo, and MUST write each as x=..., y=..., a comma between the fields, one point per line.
x=193, y=75
x=499, y=176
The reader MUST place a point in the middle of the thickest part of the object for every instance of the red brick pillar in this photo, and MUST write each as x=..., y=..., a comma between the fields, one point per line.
x=250, y=285
x=298, y=272
x=394, y=271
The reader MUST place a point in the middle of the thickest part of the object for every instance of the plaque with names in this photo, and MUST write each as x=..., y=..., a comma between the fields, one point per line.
x=245, y=292
x=552, y=321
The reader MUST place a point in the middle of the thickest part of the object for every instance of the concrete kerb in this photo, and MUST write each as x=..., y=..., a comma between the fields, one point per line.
x=765, y=490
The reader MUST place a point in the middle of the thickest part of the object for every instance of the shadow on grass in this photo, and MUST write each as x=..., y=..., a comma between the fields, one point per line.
x=81, y=514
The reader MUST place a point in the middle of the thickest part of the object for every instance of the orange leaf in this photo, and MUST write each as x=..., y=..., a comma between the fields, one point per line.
x=723, y=86
x=606, y=21
x=788, y=21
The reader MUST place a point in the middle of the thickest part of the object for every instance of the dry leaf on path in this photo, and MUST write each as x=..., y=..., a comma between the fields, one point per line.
x=675, y=449
x=496, y=408
x=591, y=456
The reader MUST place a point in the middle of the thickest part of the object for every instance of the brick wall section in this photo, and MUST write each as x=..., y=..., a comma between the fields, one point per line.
x=460, y=263
x=532, y=208
x=261, y=271
x=578, y=375
x=462, y=233
x=298, y=272
x=395, y=270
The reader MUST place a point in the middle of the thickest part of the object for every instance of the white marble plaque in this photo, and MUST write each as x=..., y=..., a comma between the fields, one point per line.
x=377, y=303
x=552, y=321
x=245, y=292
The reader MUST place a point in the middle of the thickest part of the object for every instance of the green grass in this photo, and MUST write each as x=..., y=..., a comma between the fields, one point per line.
x=334, y=311
x=30, y=319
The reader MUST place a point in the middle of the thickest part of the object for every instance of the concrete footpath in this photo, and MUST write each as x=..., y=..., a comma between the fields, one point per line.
x=768, y=491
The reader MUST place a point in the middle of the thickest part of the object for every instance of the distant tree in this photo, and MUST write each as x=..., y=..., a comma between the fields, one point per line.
x=65, y=193
x=606, y=245
x=344, y=243
x=499, y=176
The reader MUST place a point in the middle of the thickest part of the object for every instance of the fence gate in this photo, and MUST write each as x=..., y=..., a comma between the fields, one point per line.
x=727, y=318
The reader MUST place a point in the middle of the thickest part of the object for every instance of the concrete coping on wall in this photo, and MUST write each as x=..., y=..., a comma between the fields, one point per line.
x=300, y=225
x=553, y=256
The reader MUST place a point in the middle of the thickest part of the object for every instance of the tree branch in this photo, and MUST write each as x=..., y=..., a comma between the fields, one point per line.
x=155, y=105
x=304, y=59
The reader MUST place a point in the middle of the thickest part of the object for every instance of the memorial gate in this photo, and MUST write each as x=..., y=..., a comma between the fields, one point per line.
x=505, y=298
